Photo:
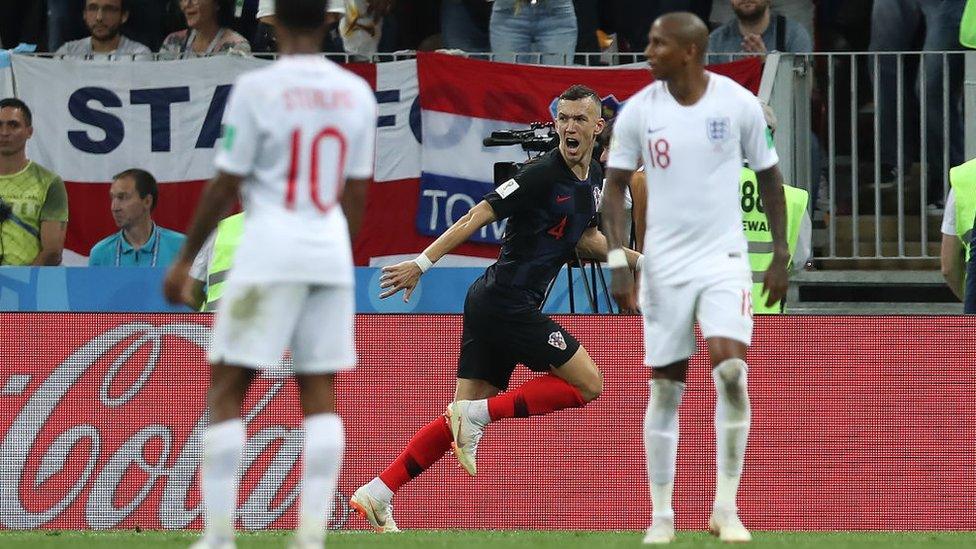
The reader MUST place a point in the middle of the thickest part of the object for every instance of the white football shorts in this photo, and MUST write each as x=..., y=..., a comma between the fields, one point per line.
x=255, y=323
x=722, y=305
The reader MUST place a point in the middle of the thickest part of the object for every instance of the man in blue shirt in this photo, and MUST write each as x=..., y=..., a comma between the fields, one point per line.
x=140, y=242
x=757, y=30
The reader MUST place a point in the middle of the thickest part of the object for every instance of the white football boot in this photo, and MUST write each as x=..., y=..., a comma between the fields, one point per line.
x=660, y=532
x=466, y=433
x=725, y=524
x=377, y=512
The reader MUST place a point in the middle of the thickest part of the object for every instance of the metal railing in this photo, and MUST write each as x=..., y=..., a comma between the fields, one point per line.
x=894, y=162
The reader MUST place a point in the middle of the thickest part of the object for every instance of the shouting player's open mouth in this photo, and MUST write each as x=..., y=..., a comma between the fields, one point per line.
x=572, y=145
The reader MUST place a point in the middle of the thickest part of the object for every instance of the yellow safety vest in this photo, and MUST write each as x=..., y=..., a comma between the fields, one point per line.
x=967, y=26
x=759, y=237
x=228, y=236
x=962, y=178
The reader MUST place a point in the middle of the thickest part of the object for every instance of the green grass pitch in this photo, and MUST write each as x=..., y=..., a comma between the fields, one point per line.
x=469, y=539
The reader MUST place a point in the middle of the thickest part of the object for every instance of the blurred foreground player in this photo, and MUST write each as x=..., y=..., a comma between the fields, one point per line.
x=550, y=203
x=298, y=143
x=691, y=128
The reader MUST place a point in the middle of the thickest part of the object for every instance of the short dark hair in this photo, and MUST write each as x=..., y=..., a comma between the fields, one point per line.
x=145, y=184
x=300, y=15
x=123, y=5
x=14, y=103
x=579, y=91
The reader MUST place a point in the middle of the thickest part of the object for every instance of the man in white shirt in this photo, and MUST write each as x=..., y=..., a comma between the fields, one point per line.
x=691, y=128
x=104, y=19
x=298, y=144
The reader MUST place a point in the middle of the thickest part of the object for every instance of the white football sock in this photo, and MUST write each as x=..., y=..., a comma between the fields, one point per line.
x=661, y=442
x=478, y=412
x=379, y=490
x=325, y=442
x=732, y=418
x=223, y=445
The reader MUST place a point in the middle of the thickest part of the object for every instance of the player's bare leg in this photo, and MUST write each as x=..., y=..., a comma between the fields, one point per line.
x=732, y=419
x=223, y=445
x=661, y=446
x=571, y=385
x=324, y=445
x=374, y=500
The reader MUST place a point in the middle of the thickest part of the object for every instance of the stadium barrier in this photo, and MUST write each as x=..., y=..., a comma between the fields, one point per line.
x=859, y=423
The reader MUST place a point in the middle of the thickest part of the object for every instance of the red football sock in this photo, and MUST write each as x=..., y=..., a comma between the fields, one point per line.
x=538, y=396
x=427, y=446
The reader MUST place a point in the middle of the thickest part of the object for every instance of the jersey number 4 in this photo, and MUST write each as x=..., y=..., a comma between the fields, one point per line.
x=295, y=168
x=559, y=229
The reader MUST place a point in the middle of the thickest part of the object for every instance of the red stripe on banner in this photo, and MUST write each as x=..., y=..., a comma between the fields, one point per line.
x=366, y=71
x=90, y=215
x=389, y=225
x=522, y=93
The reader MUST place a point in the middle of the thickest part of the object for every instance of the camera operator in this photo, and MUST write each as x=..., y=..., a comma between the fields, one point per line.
x=551, y=204
x=33, y=200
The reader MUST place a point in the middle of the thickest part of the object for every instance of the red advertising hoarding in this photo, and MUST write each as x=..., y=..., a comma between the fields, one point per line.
x=858, y=423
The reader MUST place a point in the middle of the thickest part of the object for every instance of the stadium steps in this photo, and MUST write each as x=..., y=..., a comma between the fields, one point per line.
x=871, y=292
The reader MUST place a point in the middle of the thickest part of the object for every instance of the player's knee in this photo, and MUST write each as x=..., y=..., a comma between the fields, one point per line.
x=730, y=381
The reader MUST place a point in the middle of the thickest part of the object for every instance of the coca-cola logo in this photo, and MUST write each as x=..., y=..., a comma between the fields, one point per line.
x=117, y=467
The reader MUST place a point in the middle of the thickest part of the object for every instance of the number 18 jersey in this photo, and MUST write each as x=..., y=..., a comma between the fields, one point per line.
x=692, y=157
x=295, y=131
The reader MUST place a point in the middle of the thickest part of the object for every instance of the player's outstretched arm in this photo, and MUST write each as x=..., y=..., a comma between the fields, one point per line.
x=593, y=245
x=774, y=202
x=613, y=225
x=217, y=196
x=405, y=276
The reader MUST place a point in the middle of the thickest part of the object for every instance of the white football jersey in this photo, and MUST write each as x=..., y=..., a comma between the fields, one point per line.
x=693, y=157
x=295, y=131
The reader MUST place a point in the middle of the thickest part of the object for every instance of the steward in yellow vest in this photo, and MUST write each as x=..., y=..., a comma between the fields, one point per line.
x=759, y=237
x=967, y=27
x=229, y=232
x=962, y=179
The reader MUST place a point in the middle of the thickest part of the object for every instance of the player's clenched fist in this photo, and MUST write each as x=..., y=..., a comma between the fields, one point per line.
x=402, y=276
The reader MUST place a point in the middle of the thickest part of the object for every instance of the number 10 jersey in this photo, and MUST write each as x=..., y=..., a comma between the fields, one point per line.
x=295, y=131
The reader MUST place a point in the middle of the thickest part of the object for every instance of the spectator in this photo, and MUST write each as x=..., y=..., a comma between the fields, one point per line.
x=208, y=34
x=464, y=25
x=801, y=11
x=21, y=21
x=104, y=19
x=33, y=200
x=544, y=27
x=756, y=29
x=264, y=39
x=63, y=22
x=894, y=25
x=140, y=242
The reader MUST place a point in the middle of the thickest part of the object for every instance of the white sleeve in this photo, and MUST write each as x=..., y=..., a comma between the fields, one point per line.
x=201, y=263
x=265, y=8
x=803, y=251
x=335, y=6
x=361, y=149
x=239, y=143
x=626, y=144
x=949, y=217
x=757, y=140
